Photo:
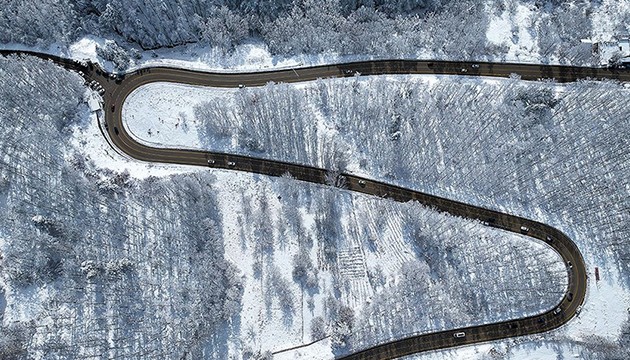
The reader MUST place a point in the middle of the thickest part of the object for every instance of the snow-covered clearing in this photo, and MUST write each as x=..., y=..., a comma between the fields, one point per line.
x=512, y=29
x=163, y=113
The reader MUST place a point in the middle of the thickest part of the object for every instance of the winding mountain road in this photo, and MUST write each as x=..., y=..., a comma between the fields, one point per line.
x=117, y=90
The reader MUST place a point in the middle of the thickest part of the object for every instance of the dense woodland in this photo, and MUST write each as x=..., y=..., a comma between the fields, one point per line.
x=443, y=28
x=93, y=263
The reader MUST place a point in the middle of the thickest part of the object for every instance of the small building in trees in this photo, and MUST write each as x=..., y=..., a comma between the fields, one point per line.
x=615, y=52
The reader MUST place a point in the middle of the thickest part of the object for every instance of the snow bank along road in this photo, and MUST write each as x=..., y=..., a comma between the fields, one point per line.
x=116, y=91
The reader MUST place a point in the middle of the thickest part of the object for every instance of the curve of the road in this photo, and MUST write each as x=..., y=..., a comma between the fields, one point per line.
x=117, y=90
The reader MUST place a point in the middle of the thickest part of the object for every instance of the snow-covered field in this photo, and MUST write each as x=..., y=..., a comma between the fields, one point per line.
x=164, y=113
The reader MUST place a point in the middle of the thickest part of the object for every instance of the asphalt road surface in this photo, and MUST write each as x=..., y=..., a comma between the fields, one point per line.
x=117, y=90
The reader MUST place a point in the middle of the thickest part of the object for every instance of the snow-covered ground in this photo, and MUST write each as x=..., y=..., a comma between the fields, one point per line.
x=607, y=304
x=247, y=57
x=163, y=113
x=89, y=140
x=512, y=29
x=268, y=329
x=236, y=193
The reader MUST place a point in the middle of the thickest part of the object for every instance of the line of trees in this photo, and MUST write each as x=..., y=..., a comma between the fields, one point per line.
x=400, y=28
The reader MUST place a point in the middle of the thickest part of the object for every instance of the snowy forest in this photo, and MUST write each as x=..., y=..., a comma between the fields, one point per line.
x=535, y=146
x=557, y=153
x=444, y=29
x=97, y=263
x=94, y=264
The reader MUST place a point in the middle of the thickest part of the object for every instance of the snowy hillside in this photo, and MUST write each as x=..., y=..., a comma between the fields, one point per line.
x=103, y=256
x=528, y=148
x=217, y=264
x=93, y=262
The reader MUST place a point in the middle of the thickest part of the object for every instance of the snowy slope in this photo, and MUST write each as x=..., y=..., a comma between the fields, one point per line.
x=599, y=316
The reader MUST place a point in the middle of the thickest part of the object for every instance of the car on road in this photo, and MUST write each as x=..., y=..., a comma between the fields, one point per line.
x=240, y=86
x=362, y=183
x=475, y=66
x=210, y=162
x=464, y=70
x=113, y=108
x=549, y=239
x=459, y=335
x=231, y=163
x=557, y=311
x=524, y=229
x=569, y=265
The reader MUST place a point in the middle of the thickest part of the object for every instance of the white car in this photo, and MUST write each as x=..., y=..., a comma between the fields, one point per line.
x=557, y=311
x=362, y=183
x=475, y=66
x=524, y=229
x=460, y=334
x=231, y=163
